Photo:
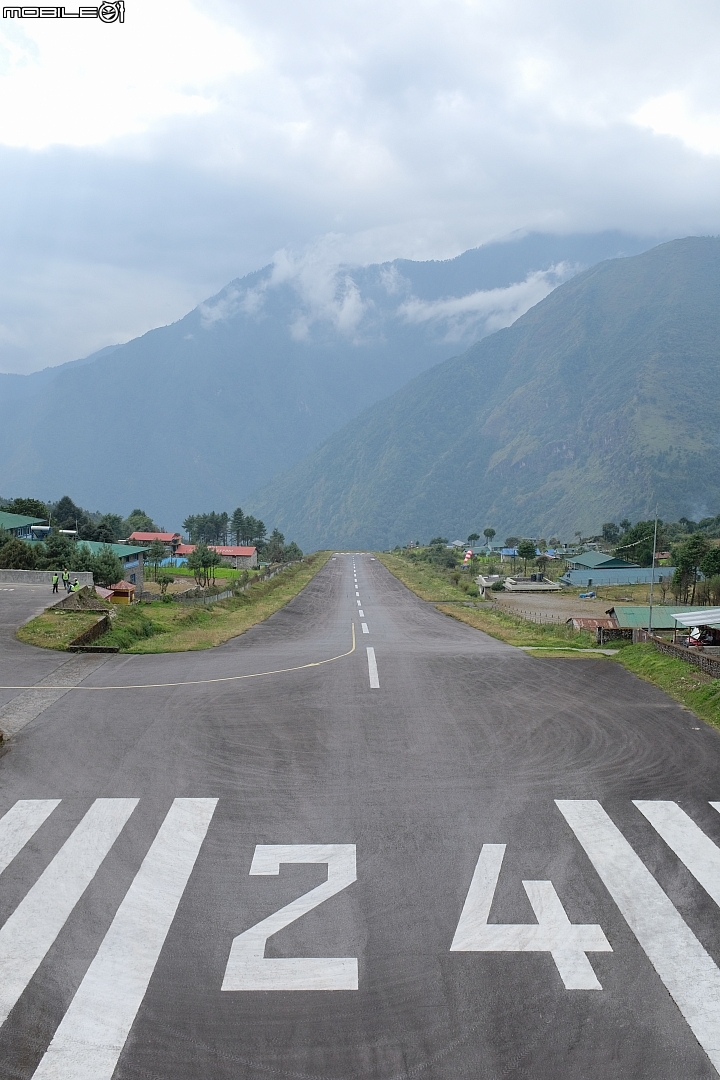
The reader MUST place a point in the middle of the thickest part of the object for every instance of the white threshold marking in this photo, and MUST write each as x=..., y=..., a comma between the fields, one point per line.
x=32, y=928
x=687, y=840
x=20, y=823
x=364, y=628
x=372, y=669
x=689, y=974
x=91, y=1035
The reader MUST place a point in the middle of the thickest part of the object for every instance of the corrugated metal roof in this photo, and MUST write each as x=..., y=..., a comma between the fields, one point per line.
x=597, y=560
x=17, y=521
x=638, y=616
x=698, y=617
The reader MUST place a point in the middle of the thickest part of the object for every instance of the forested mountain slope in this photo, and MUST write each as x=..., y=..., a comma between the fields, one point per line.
x=599, y=402
x=198, y=414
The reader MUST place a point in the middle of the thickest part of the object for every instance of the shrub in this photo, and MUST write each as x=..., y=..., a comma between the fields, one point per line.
x=16, y=555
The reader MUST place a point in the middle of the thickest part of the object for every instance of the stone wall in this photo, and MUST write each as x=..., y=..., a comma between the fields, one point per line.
x=709, y=664
x=40, y=577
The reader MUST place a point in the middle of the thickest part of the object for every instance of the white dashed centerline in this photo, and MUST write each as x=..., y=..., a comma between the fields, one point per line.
x=361, y=613
x=364, y=628
x=372, y=669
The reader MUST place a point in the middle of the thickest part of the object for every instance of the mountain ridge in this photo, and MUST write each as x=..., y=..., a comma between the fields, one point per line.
x=585, y=409
x=205, y=410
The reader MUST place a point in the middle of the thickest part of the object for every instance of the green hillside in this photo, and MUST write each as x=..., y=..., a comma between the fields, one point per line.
x=600, y=401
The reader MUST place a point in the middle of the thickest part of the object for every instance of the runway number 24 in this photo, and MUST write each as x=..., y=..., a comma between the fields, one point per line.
x=568, y=943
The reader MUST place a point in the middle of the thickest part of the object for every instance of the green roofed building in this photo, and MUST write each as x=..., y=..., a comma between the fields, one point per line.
x=637, y=616
x=597, y=560
x=18, y=524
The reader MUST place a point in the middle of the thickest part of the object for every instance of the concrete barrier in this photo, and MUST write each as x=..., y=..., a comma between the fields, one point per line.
x=41, y=577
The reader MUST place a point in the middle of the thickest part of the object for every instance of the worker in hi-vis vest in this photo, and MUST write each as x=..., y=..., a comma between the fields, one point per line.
x=55, y=581
x=75, y=586
x=66, y=579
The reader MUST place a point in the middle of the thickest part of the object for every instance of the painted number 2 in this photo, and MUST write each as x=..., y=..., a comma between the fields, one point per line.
x=248, y=969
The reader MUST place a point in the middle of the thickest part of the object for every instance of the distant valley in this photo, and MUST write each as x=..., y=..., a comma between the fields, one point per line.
x=199, y=414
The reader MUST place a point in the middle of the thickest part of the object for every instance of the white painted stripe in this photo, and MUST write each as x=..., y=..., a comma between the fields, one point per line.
x=20, y=823
x=372, y=669
x=687, y=840
x=358, y=603
x=361, y=613
x=38, y=919
x=364, y=628
x=91, y=1035
x=689, y=974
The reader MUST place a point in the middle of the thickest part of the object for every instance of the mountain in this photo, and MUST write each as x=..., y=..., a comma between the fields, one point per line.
x=598, y=403
x=198, y=414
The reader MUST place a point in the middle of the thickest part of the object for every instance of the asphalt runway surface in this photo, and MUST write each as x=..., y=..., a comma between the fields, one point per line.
x=432, y=857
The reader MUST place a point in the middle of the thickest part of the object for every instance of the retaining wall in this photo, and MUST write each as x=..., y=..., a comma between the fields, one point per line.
x=710, y=665
x=41, y=577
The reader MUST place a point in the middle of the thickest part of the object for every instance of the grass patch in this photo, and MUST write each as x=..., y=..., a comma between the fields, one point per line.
x=430, y=582
x=56, y=629
x=174, y=627
x=683, y=682
x=518, y=631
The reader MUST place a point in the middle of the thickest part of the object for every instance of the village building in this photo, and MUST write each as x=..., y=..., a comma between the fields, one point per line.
x=593, y=568
x=240, y=558
x=18, y=525
x=171, y=541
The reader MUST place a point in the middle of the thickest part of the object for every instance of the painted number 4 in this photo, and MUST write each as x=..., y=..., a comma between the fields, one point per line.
x=247, y=967
x=554, y=933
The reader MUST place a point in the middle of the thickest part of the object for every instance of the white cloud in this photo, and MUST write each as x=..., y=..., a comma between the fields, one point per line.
x=188, y=145
x=672, y=114
x=489, y=309
x=84, y=83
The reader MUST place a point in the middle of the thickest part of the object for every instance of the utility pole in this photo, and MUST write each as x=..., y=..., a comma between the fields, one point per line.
x=652, y=575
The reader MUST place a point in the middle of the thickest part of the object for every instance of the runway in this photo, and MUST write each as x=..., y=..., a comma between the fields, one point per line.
x=361, y=840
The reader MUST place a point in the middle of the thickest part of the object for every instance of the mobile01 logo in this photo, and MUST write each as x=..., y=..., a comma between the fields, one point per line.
x=107, y=13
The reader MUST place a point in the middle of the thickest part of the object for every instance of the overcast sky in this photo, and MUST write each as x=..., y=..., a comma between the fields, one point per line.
x=144, y=165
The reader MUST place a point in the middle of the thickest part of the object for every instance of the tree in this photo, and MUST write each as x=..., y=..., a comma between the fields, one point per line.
x=66, y=515
x=17, y=555
x=59, y=550
x=155, y=555
x=28, y=508
x=292, y=552
x=164, y=579
x=610, y=532
x=106, y=567
x=203, y=561
x=625, y=524
x=114, y=524
x=276, y=547
x=489, y=535
x=472, y=538
x=637, y=542
x=103, y=533
x=688, y=557
x=710, y=565
x=541, y=563
x=526, y=551
x=438, y=541
x=512, y=541
x=138, y=521
x=237, y=524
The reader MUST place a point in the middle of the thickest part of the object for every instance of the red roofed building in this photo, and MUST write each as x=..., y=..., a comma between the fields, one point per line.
x=239, y=557
x=170, y=540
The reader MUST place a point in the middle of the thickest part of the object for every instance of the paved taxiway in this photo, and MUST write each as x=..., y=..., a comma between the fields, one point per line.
x=153, y=837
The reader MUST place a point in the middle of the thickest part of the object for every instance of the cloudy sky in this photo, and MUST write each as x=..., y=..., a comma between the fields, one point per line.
x=144, y=165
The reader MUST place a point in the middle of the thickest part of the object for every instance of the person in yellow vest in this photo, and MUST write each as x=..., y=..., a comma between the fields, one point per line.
x=66, y=579
x=75, y=587
x=55, y=581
